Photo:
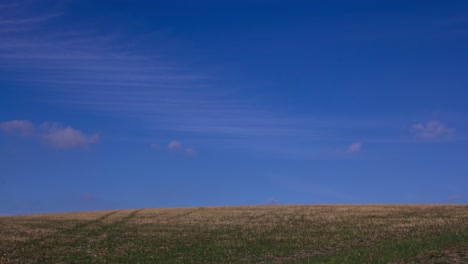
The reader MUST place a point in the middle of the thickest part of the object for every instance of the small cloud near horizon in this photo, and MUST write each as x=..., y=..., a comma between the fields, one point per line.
x=88, y=196
x=176, y=146
x=271, y=201
x=53, y=134
x=455, y=198
x=354, y=148
x=432, y=130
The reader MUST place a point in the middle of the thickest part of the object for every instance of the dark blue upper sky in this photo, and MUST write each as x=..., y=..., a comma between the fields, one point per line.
x=118, y=104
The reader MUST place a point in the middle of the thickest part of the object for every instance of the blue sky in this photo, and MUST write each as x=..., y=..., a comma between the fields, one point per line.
x=130, y=104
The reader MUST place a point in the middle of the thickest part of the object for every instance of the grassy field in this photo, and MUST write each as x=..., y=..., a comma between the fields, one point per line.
x=251, y=234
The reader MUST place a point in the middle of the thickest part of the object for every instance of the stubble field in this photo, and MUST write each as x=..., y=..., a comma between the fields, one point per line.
x=249, y=234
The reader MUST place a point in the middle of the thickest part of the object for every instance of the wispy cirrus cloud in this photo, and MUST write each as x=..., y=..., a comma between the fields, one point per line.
x=8, y=5
x=354, y=148
x=432, y=130
x=103, y=70
x=22, y=127
x=53, y=134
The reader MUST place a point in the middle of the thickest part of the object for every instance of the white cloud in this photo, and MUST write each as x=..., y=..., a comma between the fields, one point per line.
x=88, y=196
x=174, y=145
x=271, y=201
x=190, y=152
x=22, y=127
x=54, y=134
x=67, y=137
x=455, y=197
x=354, y=148
x=432, y=130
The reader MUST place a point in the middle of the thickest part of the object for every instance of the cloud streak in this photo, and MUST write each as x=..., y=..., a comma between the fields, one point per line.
x=432, y=130
x=21, y=127
x=103, y=70
x=176, y=147
x=120, y=73
x=53, y=134
x=354, y=148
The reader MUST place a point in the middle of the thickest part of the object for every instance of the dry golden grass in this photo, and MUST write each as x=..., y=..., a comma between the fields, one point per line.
x=249, y=234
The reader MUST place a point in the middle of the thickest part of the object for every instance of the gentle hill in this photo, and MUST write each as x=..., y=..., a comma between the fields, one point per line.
x=249, y=234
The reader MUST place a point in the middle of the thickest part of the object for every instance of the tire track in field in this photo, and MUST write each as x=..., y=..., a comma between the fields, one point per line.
x=71, y=229
x=101, y=227
x=33, y=245
x=103, y=241
x=181, y=215
x=89, y=223
x=120, y=222
x=86, y=241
